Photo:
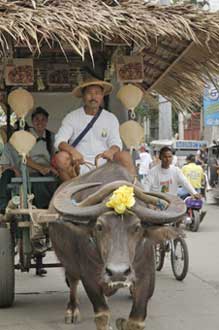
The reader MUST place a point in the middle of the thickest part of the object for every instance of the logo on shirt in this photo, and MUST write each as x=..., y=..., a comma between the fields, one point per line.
x=165, y=186
x=104, y=133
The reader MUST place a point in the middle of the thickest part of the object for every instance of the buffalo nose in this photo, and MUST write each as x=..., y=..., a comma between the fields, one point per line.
x=119, y=272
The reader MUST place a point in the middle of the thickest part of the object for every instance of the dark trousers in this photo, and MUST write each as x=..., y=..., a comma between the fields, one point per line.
x=5, y=193
x=43, y=192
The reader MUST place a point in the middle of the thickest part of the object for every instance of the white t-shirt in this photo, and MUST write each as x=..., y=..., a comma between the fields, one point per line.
x=103, y=135
x=144, y=162
x=39, y=153
x=167, y=180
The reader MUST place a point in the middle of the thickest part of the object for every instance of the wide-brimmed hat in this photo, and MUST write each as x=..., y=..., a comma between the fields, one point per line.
x=107, y=87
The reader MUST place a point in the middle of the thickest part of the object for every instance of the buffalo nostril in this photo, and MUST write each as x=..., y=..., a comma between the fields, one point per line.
x=109, y=272
x=119, y=272
x=127, y=271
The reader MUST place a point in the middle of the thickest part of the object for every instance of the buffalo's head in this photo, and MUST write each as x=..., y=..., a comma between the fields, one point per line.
x=116, y=238
x=119, y=239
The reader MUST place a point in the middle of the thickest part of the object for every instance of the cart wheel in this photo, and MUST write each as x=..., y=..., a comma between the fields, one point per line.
x=159, y=256
x=194, y=226
x=180, y=258
x=6, y=269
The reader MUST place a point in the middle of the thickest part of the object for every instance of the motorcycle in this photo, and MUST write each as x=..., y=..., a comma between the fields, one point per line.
x=194, y=214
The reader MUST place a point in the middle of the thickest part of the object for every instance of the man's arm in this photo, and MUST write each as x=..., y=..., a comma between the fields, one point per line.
x=76, y=156
x=42, y=169
x=65, y=132
x=114, y=138
x=109, y=153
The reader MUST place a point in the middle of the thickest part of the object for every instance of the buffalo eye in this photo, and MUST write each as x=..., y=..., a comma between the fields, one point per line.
x=138, y=228
x=99, y=227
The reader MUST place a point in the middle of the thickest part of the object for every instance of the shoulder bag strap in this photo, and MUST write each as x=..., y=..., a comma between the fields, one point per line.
x=87, y=128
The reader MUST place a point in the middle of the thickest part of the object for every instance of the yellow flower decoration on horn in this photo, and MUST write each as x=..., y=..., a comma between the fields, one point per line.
x=121, y=199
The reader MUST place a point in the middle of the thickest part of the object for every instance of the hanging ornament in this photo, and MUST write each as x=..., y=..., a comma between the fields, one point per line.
x=40, y=83
x=79, y=76
x=109, y=72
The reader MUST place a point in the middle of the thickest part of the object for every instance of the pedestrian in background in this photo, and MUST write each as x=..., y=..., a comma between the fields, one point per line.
x=144, y=162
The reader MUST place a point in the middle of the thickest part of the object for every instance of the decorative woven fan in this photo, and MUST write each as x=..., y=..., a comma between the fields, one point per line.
x=23, y=142
x=132, y=133
x=130, y=96
x=21, y=102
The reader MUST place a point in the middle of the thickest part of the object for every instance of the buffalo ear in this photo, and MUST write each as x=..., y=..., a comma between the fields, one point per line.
x=161, y=233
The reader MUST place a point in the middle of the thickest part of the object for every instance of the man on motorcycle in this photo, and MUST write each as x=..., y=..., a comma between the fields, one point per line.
x=166, y=177
x=194, y=173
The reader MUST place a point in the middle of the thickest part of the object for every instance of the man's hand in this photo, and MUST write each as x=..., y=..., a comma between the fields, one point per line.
x=197, y=196
x=44, y=170
x=108, y=154
x=76, y=157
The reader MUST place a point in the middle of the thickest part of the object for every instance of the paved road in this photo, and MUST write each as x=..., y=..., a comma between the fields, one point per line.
x=192, y=304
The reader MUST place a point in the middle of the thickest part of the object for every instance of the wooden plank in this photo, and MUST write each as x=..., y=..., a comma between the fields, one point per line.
x=35, y=179
x=24, y=224
x=27, y=211
x=39, y=216
x=38, y=220
x=171, y=66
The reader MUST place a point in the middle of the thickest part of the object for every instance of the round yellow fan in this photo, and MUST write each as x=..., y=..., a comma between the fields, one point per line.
x=21, y=102
x=132, y=133
x=130, y=96
x=22, y=141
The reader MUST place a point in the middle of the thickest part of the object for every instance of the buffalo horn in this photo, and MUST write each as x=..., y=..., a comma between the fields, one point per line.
x=151, y=198
x=63, y=203
x=91, y=207
x=174, y=211
x=103, y=192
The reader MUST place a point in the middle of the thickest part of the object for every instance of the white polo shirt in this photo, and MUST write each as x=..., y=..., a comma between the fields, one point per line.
x=103, y=135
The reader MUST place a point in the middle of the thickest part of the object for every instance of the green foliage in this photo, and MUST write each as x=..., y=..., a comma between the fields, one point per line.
x=144, y=110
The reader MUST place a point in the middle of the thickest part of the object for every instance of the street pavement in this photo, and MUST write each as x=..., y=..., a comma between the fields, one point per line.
x=189, y=305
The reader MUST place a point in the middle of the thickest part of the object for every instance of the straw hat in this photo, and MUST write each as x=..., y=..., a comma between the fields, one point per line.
x=107, y=87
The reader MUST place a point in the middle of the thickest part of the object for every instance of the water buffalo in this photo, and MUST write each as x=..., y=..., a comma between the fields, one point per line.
x=107, y=251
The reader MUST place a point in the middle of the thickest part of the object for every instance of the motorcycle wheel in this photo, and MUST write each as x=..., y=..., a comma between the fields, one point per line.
x=180, y=258
x=194, y=226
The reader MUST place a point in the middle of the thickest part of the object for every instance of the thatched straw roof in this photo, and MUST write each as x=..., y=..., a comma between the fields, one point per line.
x=181, y=43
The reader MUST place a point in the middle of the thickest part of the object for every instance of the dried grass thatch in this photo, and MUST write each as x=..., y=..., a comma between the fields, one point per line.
x=181, y=43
